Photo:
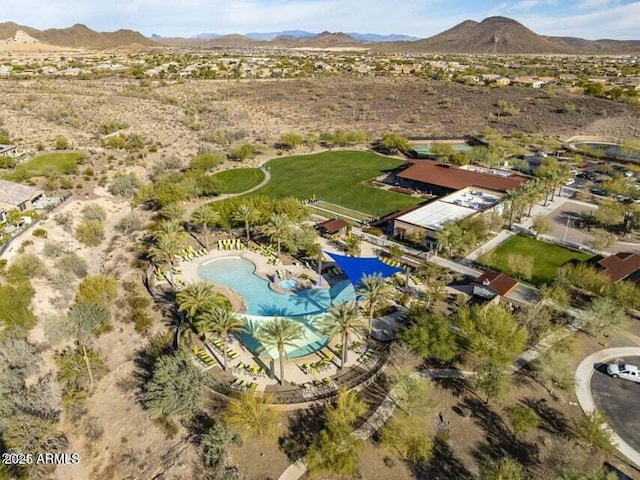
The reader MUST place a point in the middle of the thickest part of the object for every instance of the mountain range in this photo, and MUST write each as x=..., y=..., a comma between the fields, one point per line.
x=493, y=35
x=297, y=34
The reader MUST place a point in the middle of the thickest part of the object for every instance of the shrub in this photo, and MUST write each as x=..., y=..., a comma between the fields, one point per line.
x=40, y=233
x=94, y=211
x=206, y=160
x=112, y=126
x=25, y=267
x=90, y=233
x=53, y=249
x=74, y=264
x=130, y=223
x=243, y=152
x=65, y=220
x=124, y=185
x=61, y=143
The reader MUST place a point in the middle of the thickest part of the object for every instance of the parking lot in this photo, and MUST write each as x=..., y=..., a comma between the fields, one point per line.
x=619, y=400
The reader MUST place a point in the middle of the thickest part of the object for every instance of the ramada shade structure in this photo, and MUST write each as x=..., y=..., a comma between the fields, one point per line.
x=357, y=267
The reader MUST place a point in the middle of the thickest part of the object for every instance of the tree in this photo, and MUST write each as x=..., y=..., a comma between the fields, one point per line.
x=280, y=333
x=602, y=315
x=541, y=225
x=393, y=143
x=176, y=387
x=521, y=419
x=252, y=413
x=196, y=299
x=375, y=292
x=430, y=336
x=556, y=294
x=491, y=333
x=504, y=469
x=246, y=214
x=450, y=238
x=336, y=450
x=222, y=322
x=520, y=266
x=84, y=318
x=278, y=227
x=352, y=245
x=491, y=379
x=515, y=199
x=205, y=217
x=402, y=437
x=343, y=319
x=602, y=239
x=553, y=369
x=214, y=444
x=591, y=431
x=443, y=151
x=610, y=213
x=165, y=252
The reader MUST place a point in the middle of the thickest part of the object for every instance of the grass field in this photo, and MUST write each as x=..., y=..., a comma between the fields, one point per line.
x=239, y=180
x=337, y=177
x=546, y=257
x=48, y=164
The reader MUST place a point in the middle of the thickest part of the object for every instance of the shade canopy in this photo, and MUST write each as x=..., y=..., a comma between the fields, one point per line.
x=357, y=267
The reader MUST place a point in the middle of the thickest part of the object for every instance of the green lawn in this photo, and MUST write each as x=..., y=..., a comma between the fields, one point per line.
x=239, y=180
x=337, y=177
x=546, y=257
x=48, y=164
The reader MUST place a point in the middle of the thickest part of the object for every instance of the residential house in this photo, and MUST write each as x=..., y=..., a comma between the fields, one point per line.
x=621, y=266
x=493, y=285
x=14, y=195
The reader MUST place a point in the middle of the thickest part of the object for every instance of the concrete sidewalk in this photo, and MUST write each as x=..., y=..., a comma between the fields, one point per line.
x=584, y=373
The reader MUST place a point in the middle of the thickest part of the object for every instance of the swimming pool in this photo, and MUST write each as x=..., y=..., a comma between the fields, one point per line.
x=303, y=306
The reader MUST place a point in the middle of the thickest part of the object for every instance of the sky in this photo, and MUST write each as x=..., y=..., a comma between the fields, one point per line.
x=591, y=19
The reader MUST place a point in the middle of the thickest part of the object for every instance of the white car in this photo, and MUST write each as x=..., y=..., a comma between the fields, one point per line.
x=570, y=182
x=626, y=371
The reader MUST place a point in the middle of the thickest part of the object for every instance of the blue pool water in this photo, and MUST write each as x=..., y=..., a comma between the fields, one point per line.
x=263, y=303
x=288, y=284
x=238, y=274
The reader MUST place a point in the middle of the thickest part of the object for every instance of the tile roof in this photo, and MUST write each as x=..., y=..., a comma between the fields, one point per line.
x=499, y=282
x=453, y=177
x=620, y=266
x=332, y=226
x=16, y=194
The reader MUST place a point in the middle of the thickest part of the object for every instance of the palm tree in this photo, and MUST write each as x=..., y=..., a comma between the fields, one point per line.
x=352, y=245
x=513, y=198
x=314, y=250
x=375, y=292
x=280, y=333
x=533, y=192
x=196, y=299
x=205, y=217
x=342, y=319
x=170, y=228
x=277, y=228
x=246, y=214
x=165, y=251
x=222, y=322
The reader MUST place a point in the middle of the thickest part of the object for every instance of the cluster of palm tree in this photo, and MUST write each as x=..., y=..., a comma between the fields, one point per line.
x=542, y=188
x=209, y=313
x=169, y=240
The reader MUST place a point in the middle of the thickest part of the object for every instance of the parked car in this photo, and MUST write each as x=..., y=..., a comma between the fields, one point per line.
x=570, y=182
x=626, y=371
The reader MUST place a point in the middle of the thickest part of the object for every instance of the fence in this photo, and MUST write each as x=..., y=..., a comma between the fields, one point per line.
x=20, y=230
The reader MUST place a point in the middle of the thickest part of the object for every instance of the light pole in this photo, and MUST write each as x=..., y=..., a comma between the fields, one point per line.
x=566, y=228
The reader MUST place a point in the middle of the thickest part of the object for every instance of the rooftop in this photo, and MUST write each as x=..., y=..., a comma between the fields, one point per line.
x=456, y=178
x=620, y=266
x=499, y=282
x=333, y=225
x=451, y=208
x=16, y=194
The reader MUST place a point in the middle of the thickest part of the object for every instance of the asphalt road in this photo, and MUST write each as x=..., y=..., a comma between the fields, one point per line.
x=620, y=401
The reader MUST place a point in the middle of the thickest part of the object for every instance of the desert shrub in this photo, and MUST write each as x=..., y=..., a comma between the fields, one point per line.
x=94, y=211
x=15, y=306
x=25, y=267
x=90, y=233
x=132, y=222
x=61, y=143
x=124, y=185
x=206, y=160
x=242, y=152
x=40, y=233
x=53, y=249
x=112, y=126
x=65, y=220
x=72, y=263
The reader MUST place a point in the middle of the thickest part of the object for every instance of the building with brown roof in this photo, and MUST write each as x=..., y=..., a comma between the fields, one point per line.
x=621, y=266
x=332, y=227
x=493, y=284
x=441, y=179
x=14, y=195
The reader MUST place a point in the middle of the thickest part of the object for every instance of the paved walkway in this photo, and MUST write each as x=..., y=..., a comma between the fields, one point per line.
x=583, y=391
